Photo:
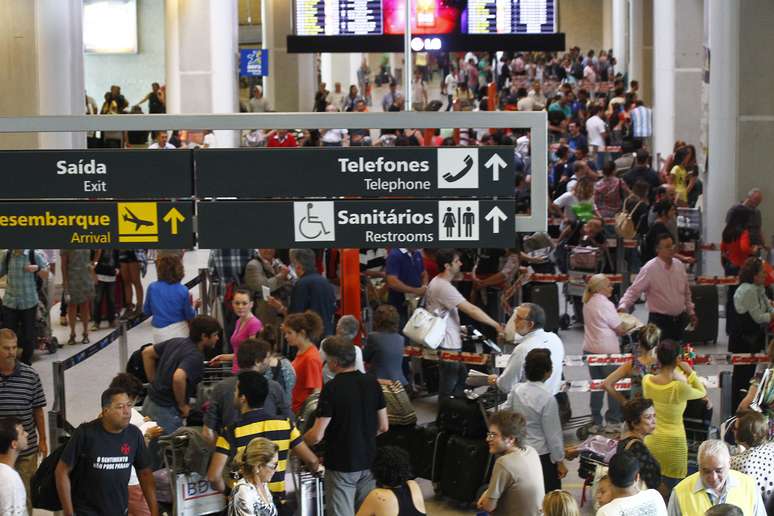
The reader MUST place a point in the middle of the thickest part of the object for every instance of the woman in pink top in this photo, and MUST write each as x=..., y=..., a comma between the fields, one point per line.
x=601, y=328
x=247, y=327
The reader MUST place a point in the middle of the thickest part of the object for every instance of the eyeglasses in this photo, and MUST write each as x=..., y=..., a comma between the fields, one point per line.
x=272, y=465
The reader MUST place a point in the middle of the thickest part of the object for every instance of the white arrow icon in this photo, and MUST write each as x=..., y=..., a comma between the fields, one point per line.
x=496, y=215
x=496, y=163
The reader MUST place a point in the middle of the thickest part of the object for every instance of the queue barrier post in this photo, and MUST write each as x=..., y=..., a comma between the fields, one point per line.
x=204, y=291
x=57, y=415
x=123, y=346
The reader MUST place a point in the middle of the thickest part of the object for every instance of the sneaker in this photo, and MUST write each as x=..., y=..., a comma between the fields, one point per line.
x=126, y=314
x=94, y=326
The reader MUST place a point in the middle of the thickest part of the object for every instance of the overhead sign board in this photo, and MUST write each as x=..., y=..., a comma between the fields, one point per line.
x=356, y=171
x=350, y=223
x=97, y=174
x=96, y=225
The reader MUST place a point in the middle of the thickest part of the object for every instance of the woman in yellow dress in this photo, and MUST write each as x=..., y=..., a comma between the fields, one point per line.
x=670, y=389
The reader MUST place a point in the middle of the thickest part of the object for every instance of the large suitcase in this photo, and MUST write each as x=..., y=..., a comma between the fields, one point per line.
x=461, y=416
x=547, y=296
x=466, y=468
x=705, y=298
x=428, y=449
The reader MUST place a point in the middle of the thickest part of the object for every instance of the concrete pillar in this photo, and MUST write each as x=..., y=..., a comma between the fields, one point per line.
x=620, y=34
x=755, y=104
x=636, y=39
x=677, y=59
x=340, y=68
x=201, y=60
x=291, y=83
x=41, y=46
x=721, y=188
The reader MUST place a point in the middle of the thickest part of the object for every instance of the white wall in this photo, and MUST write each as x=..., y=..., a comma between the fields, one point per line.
x=133, y=72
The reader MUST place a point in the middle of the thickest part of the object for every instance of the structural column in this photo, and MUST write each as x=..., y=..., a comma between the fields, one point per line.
x=201, y=60
x=677, y=73
x=337, y=67
x=721, y=189
x=636, y=40
x=620, y=34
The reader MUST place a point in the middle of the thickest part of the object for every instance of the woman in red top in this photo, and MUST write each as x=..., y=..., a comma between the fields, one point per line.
x=735, y=247
x=300, y=331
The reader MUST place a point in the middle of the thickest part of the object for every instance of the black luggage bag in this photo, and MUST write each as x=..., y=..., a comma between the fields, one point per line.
x=547, y=296
x=428, y=449
x=461, y=416
x=467, y=467
x=705, y=299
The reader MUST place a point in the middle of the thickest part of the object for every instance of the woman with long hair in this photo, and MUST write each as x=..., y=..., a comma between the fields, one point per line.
x=643, y=362
x=301, y=331
x=670, y=389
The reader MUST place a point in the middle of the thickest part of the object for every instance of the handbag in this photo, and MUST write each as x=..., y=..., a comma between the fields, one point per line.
x=624, y=225
x=400, y=411
x=426, y=328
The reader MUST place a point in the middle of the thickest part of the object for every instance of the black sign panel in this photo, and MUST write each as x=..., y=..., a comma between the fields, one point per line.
x=356, y=171
x=97, y=174
x=348, y=223
x=125, y=225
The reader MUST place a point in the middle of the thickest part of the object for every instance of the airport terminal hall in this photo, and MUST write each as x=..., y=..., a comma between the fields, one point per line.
x=386, y=258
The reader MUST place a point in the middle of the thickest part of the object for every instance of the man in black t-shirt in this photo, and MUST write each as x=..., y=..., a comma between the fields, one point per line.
x=174, y=368
x=641, y=171
x=351, y=413
x=104, y=451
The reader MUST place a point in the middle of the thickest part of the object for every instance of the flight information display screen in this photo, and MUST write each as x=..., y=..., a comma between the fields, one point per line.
x=435, y=17
x=338, y=17
x=511, y=16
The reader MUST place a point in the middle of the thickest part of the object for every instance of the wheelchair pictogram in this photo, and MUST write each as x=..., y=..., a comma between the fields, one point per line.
x=314, y=221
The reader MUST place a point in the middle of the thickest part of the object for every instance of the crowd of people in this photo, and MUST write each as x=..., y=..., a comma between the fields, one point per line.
x=290, y=353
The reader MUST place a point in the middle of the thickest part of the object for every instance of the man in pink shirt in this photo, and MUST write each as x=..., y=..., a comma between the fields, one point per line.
x=665, y=284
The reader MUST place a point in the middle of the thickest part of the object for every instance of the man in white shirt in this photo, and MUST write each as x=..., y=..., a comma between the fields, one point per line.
x=525, y=328
x=595, y=132
x=13, y=439
x=161, y=141
x=624, y=475
x=443, y=299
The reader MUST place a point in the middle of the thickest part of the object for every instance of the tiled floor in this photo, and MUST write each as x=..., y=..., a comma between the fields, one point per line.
x=85, y=382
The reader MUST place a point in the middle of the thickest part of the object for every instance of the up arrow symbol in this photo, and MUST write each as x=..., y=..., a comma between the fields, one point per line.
x=496, y=215
x=496, y=163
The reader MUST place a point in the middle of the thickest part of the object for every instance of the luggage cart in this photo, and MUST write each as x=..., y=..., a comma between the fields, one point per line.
x=310, y=494
x=190, y=494
x=211, y=376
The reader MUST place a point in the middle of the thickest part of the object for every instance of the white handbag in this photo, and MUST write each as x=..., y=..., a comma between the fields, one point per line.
x=426, y=328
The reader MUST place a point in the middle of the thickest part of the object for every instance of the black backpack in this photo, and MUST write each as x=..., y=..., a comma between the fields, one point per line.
x=43, y=483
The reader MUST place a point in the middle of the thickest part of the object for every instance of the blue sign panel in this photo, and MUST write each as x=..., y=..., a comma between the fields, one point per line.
x=253, y=62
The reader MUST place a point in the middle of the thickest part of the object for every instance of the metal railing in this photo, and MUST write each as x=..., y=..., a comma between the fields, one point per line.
x=58, y=425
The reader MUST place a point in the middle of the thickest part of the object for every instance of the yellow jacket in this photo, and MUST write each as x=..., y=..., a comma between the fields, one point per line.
x=693, y=499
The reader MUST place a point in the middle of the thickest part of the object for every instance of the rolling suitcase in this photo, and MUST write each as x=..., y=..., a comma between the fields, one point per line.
x=705, y=299
x=428, y=449
x=461, y=416
x=547, y=296
x=467, y=466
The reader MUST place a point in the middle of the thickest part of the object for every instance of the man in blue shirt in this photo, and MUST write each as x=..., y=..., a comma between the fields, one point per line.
x=406, y=274
x=312, y=291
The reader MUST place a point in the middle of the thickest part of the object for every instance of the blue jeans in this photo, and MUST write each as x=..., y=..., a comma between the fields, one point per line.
x=451, y=379
x=167, y=418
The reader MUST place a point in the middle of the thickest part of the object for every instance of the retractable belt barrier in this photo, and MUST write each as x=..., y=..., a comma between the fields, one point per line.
x=57, y=416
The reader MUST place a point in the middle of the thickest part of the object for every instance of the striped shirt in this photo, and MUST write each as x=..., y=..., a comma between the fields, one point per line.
x=257, y=423
x=642, y=125
x=20, y=394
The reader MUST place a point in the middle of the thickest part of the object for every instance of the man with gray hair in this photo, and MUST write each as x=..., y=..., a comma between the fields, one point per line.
x=347, y=327
x=311, y=291
x=750, y=206
x=525, y=329
x=715, y=483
